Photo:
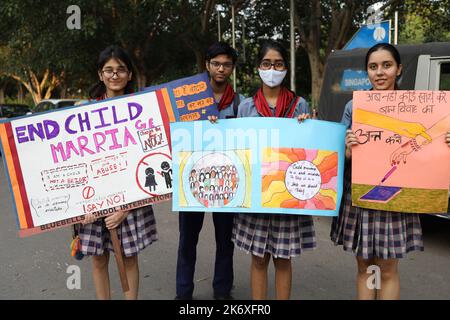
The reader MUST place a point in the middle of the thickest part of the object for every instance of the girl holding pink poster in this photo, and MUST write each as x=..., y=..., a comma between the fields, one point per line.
x=379, y=238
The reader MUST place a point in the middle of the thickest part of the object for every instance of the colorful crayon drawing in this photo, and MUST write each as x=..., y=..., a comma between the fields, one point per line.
x=298, y=178
x=215, y=179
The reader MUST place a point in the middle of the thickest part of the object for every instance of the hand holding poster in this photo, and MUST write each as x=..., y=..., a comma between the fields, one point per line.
x=93, y=158
x=274, y=165
x=402, y=163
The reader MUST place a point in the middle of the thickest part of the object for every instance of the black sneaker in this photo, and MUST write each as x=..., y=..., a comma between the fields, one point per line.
x=223, y=296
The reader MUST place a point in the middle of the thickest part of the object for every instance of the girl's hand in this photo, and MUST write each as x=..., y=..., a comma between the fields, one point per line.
x=350, y=141
x=303, y=117
x=89, y=218
x=447, y=138
x=115, y=219
x=213, y=119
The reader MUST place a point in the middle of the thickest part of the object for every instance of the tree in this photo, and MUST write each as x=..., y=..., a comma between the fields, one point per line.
x=325, y=26
x=40, y=51
x=423, y=21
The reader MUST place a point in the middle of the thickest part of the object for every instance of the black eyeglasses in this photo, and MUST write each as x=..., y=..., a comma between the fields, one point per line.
x=119, y=73
x=278, y=65
x=217, y=65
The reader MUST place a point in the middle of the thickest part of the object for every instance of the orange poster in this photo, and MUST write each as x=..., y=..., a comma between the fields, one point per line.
x=402, y=162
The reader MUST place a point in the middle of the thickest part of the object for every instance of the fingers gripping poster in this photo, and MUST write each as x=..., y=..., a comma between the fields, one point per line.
x=402, y=162
x=96, y=158
x=258, y=165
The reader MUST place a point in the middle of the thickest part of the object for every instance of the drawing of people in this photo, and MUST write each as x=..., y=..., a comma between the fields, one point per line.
x=207, y=181
x=205, y=201
x=150, y=180
x=213, y=177
x=221, y=200
x=225, y=199
x=220, y=179
x=166, y=173
x=233, y=180
x=216, y=200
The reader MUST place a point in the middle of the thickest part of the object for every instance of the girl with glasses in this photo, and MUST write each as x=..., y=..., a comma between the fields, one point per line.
x=136, y=228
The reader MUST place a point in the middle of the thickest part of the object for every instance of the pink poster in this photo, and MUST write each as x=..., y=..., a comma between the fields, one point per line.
x=402, y=162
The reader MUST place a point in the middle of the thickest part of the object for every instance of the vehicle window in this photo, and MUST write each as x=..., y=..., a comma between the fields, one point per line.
x=63, y=104
x=444, y=80
x=44, y=106
x=11, y=111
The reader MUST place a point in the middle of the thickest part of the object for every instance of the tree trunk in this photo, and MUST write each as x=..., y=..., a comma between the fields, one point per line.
x=141, y=79
x=317, y=69
x=19, y=93
x=200, y=58
x=2, y=93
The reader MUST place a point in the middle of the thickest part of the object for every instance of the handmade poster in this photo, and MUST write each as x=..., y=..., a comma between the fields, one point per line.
x=193, y=98
x=258, y=165
x=402, y=162
x=96, y=158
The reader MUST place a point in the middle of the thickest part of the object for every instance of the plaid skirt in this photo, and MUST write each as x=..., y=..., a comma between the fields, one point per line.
x=137, y=231
x=373, y=233
x=282, y=236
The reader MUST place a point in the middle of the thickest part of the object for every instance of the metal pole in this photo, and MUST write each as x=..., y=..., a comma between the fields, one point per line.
x=292, y=36
x=234, y=43
x=396, y=28
x=218, y=26
x=243, y=38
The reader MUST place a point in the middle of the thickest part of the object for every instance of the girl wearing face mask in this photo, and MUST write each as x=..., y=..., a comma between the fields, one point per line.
x=376, y=237
x=277, y=235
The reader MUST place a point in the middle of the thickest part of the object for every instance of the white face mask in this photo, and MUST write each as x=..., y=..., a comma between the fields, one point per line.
x=272, y=77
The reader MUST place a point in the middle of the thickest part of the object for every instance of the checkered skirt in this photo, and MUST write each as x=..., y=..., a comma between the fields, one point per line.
x=373, y=233
x=137, y=231
x=282, y=236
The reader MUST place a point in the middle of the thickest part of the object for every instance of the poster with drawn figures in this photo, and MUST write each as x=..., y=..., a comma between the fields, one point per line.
x=258, y=165
x=96, y=158
x=193, y=98
x=215, y=179
x=402, y=163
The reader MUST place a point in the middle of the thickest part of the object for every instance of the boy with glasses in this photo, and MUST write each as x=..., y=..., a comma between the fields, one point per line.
x=220, y=62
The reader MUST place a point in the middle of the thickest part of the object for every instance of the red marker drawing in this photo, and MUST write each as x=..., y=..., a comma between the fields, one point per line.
x=388, y=174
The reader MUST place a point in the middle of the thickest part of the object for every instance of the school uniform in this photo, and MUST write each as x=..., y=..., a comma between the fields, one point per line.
x=373, y=233
x=136, y=232
x=281, y=235
x=190, y=225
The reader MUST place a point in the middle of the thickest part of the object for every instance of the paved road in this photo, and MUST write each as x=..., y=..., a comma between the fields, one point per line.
x=35, y=268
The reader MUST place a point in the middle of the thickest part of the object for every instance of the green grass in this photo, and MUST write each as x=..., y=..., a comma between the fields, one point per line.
x=408, y=200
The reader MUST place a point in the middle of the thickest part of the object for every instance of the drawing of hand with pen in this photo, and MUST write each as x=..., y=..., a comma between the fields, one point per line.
x=435, y=132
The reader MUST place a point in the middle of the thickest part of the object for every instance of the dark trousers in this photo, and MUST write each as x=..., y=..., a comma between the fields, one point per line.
x=190, y=224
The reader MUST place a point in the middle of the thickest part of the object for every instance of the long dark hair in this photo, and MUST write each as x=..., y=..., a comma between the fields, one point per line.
x=112, y=52
x=392, y=50
x=273, y=45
